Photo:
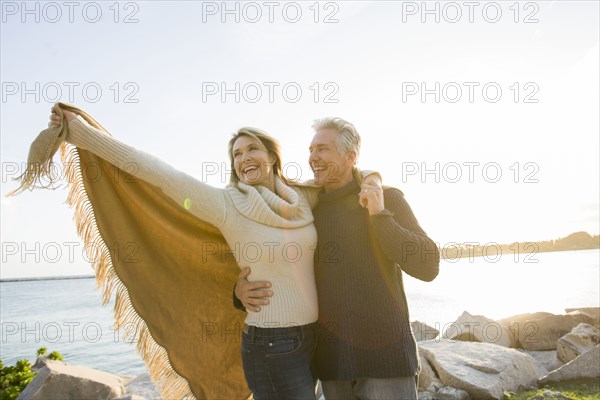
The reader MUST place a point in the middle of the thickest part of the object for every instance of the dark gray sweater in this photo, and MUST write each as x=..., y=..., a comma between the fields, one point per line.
x=364, y=328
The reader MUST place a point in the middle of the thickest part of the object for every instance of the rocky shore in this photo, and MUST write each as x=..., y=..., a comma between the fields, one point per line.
x=473, y=358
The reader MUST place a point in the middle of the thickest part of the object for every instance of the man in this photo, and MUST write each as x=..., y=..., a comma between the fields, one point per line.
x=366, y=349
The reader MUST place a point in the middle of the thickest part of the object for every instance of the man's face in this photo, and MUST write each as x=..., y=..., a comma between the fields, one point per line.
x=325, y=160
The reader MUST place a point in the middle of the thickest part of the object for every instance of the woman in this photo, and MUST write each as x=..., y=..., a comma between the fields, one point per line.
x=269, y=227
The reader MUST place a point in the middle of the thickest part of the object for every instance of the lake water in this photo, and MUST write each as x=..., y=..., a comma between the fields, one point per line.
x=67, y=316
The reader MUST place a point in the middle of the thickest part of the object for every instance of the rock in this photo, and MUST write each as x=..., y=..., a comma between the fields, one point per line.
x=130, y=397
x=142, y=386
x=40, y=363
x=586, y=365
x=450, y=393
x=593, y=312
x=434, y=387
x=57, y=380
x=422, y=331
x=549, y=394
x=483, y=370
x=516, y=321
x=427, y=376
x=477, y=328
x=546, y=361
x=581, y=339
x=541, y=331
x=540, y=370
x=424, y=396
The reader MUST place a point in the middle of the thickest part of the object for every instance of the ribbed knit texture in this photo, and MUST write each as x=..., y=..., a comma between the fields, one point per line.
x=363, y=313
x=273, y=234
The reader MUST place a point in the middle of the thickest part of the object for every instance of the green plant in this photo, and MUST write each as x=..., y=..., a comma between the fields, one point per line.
x=13, y=379
x=580, y=389
x=55, y=355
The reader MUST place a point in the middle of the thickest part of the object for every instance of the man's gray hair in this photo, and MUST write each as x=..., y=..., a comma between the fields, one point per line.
x=348, y=139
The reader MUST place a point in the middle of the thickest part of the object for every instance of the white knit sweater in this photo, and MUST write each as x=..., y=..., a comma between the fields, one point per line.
x=274, y=236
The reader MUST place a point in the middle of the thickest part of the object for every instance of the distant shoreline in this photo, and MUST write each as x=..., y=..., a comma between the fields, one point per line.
x=523, y=249
x=47, y=278
x=574, y=242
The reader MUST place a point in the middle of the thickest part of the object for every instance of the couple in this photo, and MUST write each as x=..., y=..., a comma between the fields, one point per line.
x=361, y=315
x=366, y=349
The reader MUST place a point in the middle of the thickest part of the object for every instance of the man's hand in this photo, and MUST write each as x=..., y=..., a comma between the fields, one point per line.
x=371, y=197
x=252, y=294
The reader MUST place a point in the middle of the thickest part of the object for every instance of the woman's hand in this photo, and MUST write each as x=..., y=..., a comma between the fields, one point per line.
x=55, y=117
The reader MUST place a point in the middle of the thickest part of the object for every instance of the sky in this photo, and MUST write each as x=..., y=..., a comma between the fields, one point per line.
x=485, y=114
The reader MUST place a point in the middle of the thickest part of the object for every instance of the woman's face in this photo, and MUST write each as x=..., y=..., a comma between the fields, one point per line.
x=253, y=164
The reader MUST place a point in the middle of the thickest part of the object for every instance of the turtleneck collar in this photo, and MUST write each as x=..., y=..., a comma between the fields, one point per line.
x=286, y=210
x=351, y=188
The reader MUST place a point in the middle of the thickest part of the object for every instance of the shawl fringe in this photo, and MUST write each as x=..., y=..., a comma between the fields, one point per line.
x=40, y=164
x=170, y=384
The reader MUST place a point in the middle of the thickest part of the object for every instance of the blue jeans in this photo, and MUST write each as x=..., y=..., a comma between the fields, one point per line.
x=277, y=361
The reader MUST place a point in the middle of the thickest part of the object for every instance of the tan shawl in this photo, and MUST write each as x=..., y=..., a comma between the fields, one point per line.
x=173, y=285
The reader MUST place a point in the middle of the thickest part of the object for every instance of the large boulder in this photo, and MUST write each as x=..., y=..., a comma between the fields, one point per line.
x=57, y=380
x=483, y=370
x=516, y=323
x=593, y=312
x=541, y=331
x=422, y=331
x=581, y=339
x=477, y=328
x=546, y=361
x=423, y=396
x=450, y=393
x=585, y=366
x=142, y=386
x=427, y=375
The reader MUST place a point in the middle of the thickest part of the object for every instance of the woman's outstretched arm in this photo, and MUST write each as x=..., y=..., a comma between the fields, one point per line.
x=202, y=200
